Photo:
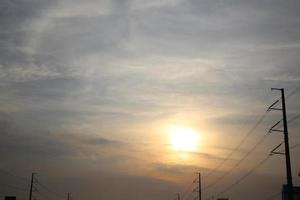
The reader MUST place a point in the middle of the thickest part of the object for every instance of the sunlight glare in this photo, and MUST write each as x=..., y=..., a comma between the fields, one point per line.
x=183, y=139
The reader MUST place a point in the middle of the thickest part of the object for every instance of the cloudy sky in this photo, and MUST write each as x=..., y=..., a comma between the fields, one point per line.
x=91, y=91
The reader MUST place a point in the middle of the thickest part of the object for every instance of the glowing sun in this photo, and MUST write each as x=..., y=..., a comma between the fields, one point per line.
x=184, y=139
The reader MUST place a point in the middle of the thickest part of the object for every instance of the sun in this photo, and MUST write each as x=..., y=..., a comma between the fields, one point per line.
x=184, y=139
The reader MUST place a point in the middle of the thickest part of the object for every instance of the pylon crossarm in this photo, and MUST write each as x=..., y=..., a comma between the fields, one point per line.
x=273, y=104
x=276, y=89
x=276, y=152
x=276, y=130
x=276, y=109
x=272, y=128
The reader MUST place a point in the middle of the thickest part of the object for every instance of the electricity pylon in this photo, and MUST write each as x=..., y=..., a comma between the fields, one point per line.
x=286, y=141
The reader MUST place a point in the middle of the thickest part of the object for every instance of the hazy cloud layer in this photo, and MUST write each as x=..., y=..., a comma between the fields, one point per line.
x=86, y=85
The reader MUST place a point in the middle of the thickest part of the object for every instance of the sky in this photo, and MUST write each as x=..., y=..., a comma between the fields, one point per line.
x=91, y=91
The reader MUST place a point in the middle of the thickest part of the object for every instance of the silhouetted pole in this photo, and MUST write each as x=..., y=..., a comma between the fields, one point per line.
x=31, y=186
x=178, y=196
x=286, y=143
x=68, y=195
x=287, y=148
x=199, y=185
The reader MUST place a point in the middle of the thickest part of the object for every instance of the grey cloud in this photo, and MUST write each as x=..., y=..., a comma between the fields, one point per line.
x=177, y=169
x=198, y=27
x=102, y=141
x=209, y=156
x=87, y=35
x=89, y=139
x=15, y=19
x=27, y=143
x=104, y=185
x=37, y=140
x=132, y=65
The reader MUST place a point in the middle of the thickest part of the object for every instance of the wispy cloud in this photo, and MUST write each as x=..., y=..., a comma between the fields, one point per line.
x=93, y=83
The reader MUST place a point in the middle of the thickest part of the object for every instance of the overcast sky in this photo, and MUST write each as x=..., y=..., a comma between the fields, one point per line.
x=90, y=88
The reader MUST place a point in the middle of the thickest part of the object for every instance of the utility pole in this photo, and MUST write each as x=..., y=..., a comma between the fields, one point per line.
x=31, y=185
x=69, y=195
x=199, y=185
x=286, y=142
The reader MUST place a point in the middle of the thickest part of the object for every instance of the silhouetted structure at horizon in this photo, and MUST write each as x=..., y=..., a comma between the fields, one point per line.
x=295, y=191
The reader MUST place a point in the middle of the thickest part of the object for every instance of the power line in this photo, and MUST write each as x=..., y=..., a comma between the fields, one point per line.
x=239, y=145
x=253, y=148
x=238, y=163
x=185, y=196
x=294, y=118
x=13, y=187
x=49, y=190
x=291, y=147
x=248, y=153
x=13, y=175
x=294, y=146
x=188, y=196
x=289, y=188
x=289, y=121
x=44, y=196
x=243, y=177
x=26, y=180
x=293, y=92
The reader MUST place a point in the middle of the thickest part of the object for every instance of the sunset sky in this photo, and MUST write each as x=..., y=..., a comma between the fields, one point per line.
x=128, y=99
